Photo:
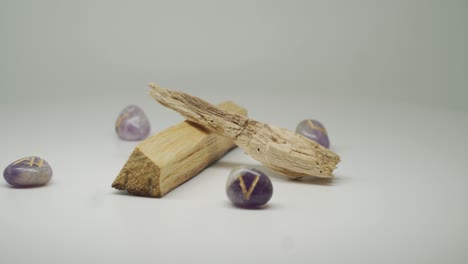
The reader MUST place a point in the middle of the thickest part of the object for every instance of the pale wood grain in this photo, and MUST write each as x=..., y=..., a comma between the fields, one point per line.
x=277, y=148
x=171, y=157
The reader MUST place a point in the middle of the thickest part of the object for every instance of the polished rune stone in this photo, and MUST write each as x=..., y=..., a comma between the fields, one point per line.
x=248, y=187
x=314, y=130
x=28, y=172
x=132, y=124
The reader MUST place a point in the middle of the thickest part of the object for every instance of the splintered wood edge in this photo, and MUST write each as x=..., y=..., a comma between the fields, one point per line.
x=228, y=124
x=278, y=149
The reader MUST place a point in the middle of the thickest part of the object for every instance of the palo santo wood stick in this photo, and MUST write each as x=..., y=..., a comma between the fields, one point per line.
x=277, y=148
x=169, y=158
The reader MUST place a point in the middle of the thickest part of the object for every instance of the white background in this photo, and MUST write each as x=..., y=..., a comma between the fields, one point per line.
x=387, y=78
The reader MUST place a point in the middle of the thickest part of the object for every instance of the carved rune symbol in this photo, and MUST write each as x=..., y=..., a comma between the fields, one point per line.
x=313, y=126
x=245, y=192
x=32, y=161
x=120, y=119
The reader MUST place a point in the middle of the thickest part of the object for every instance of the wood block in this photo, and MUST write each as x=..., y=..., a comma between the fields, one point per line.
x=279, y=149
x=173, y=156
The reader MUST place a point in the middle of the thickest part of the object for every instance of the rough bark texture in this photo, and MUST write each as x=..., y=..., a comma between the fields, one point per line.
x=169, y=158
x=278, y=149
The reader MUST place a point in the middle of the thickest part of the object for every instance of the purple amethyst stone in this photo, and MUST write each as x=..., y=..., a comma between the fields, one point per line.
x=28, y=172
x=313, y=130
x=249, y=188
x=132, y=124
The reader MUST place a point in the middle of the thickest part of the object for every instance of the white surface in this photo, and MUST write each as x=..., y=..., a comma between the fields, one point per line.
x=387, y=78
x=399, y=195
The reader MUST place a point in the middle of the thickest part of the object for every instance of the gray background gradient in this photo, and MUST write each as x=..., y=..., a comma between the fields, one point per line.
x=388, y=79
x=406, y=50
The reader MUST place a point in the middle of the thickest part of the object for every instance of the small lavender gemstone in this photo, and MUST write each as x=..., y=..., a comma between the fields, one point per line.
x=314, y=130
x=28, y=172
x=132, y=124
x=249, y=188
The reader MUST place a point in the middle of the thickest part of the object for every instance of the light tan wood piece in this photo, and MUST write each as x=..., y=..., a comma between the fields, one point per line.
x=277, y=148
x=169, y=158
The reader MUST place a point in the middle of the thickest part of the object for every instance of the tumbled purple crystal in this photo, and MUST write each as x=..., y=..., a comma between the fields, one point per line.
x=248, y=187
x=28, y=172
x=132, y=124
x=314, y=130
